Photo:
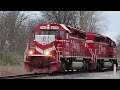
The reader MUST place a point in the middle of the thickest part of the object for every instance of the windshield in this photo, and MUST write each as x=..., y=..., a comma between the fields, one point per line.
x=44, y=32
x=48, y=32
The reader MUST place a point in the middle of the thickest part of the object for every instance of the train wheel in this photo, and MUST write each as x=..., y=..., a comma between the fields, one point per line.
x=90, y=67
x=83, y=68
x=77, y=70
x=62, y=66
x=112, y=67
x=31, y=64
x=99, y=66
x=85, y=65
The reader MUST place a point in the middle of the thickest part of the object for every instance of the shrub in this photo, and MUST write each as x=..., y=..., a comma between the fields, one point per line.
x=12, y=58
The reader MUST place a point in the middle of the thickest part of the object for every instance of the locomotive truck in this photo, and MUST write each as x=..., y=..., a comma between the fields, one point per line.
x=57, y=47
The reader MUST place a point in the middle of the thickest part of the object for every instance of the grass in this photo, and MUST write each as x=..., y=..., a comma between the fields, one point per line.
x=118, y=59
x=12, y=70
x=11, y=58
x=11, y=63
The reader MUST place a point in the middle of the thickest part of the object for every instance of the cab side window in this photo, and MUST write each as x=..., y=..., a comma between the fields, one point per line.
x=97, y=39
x=107, y=40
x=82, y=35
x=62, y=34
x=37, y=32
x=67, y=36
x=111, y=44
x=102, y=39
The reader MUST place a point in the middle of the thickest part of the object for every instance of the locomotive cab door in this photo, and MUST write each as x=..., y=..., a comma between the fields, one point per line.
x=66, y=44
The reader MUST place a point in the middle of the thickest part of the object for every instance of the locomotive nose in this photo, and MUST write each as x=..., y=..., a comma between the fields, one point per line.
x=45, y=44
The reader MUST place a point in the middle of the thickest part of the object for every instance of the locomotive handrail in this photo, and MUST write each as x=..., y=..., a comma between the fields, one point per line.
x=25, y=52
x=58, y=52
x=39, y=55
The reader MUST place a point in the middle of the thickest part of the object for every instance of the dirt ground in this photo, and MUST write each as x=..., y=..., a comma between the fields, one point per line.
x=12, y=70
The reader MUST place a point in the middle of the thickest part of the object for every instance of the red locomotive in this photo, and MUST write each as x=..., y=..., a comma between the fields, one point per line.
x=56, y=47
x=101, y=50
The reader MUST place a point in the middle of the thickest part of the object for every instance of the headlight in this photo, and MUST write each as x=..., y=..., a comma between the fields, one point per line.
x=30, y=52
x=47, y=52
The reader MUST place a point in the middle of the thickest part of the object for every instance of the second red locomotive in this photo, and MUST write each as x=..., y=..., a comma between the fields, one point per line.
x=57, y=47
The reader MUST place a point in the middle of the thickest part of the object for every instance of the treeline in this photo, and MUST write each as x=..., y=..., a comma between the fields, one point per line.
x=15, y=26
x=118, y=45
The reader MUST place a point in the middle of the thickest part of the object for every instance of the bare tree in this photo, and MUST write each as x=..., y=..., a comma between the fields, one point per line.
x=91, y=21
x=31, y=24
x=118, y=44
x=12, y=31
x=64, y=17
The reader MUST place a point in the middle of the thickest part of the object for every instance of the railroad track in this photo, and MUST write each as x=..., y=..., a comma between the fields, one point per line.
x=24, y=76
x=30, y=76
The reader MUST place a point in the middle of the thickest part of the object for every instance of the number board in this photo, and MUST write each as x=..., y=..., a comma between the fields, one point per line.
x=52, y=27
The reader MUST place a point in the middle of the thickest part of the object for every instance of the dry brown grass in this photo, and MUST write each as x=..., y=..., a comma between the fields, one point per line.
x=12, y=70
x=118, y=58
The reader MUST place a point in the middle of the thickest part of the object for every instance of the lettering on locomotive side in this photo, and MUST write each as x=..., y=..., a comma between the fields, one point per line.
x=67, y=44
x=102, y=49
x=76, y=46
x=67, y=53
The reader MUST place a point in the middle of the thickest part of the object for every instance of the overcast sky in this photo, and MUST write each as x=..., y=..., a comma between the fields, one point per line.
x=113, y=19
x=113, y=23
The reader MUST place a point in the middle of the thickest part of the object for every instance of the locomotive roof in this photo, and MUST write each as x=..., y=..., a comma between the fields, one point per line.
x=95, y=34
x=72, y=29
x=68, y=28
x=52, y=24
